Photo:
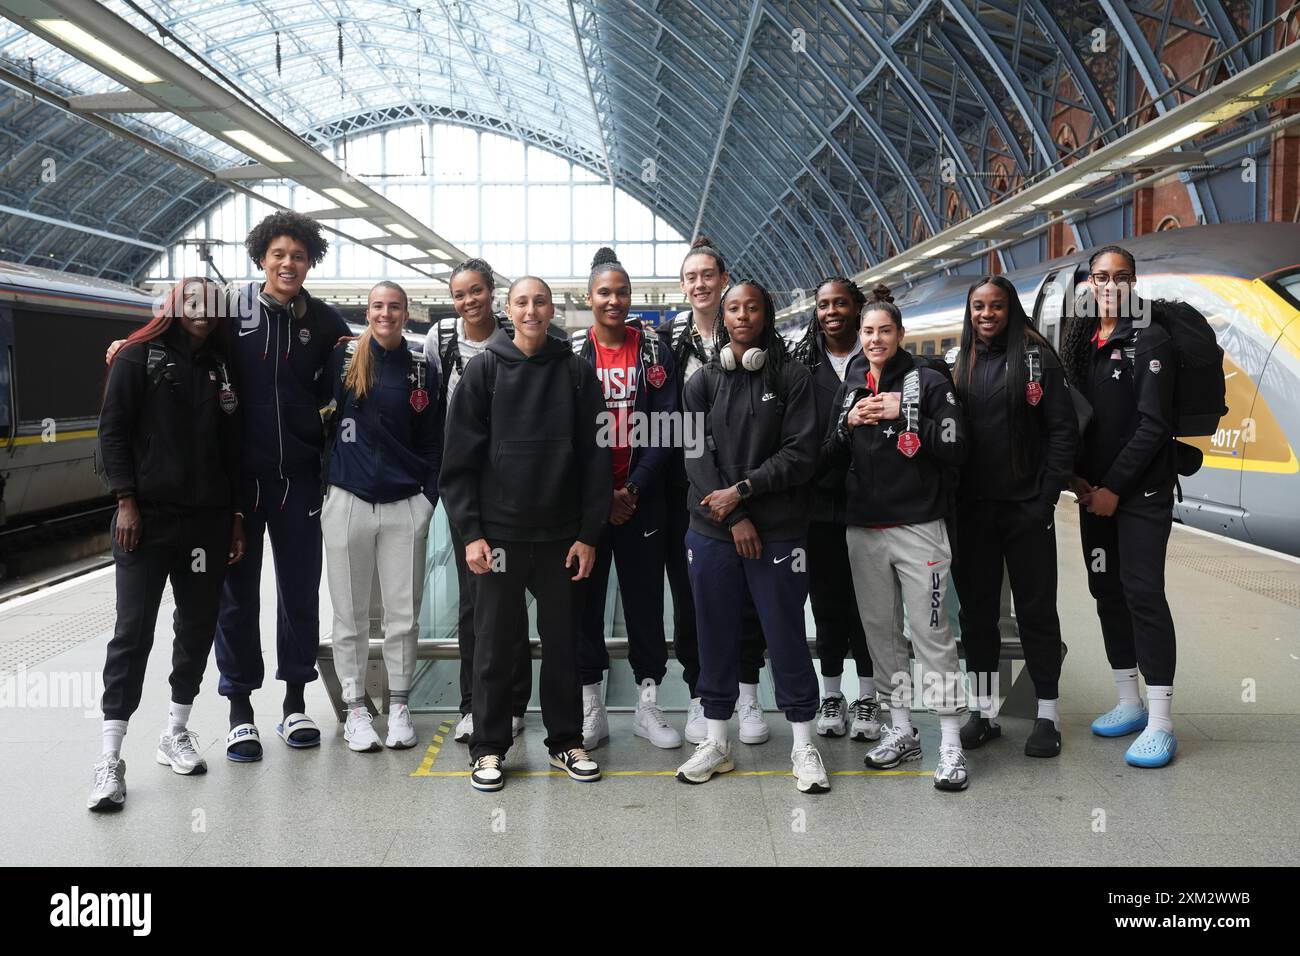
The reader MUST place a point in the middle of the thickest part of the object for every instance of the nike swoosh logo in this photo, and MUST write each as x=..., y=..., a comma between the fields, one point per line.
x=930, y=564
x=648, y=533
x=1148, y=494
x=243, y=331
x=295, y=723
x=312, y=514
x=779, y=560
x=1049, y=527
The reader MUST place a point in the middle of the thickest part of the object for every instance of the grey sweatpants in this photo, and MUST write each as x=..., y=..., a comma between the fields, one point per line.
x=907, y=567
x=361, y=539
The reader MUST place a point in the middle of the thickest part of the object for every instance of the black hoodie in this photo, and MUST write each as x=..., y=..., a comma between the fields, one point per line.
x=884, y=486
x=757, y=436
x=521, y=461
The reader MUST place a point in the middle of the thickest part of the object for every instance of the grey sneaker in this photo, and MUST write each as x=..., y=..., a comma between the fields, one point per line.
x=109, y=791
x=830, y=719
x=181, y=753
x=951, y=774
x=894, y=748
x=866, y=719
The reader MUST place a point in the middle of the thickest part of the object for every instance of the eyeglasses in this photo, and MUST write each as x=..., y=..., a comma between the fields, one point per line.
x=1119, y=278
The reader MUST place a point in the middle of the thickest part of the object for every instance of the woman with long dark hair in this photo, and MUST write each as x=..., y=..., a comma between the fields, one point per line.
x=1022, y=432
x=169, y=447
x=830, y=348
x=899, y=432
x=750, y=506
x=1125, y=364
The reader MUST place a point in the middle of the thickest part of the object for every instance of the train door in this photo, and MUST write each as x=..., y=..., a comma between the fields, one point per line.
x=1049, y=307
x=8, y=412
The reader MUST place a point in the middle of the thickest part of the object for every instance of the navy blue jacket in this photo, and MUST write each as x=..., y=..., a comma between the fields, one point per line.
x=394, y=450
x=278, y=362
x=648, y=465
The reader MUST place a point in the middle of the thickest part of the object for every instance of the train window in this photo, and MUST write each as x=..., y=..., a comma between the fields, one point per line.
x=927, y=347
x=1289, y=286
x=946, y=344
x=59, y=359
x=1051, y=305
x=910, y=347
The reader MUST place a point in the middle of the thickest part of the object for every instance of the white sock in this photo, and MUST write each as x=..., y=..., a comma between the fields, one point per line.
x=1048, y=709
x=833, y=685
x=718, y=731
x=1160, y=700
x=866, y=688
x=649, y=692
x=114, y=731
x=590, y=690
x=749, y=692
x=901, y=718
x=803, y=730
x=950, y=731
x=988, y=713
x=178, y=717
x=1126, y=682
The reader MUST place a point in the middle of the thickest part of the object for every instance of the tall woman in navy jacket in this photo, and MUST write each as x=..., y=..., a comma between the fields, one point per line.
x=750, y=506
x=169, y=443
x=1022, y=431
x=636, y=374
x=383, y=487
x=1125, y=365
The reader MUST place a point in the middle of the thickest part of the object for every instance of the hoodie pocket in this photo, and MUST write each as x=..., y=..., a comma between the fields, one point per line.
x=534, y=477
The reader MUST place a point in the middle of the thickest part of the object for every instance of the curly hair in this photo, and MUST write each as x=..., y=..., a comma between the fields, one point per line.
x=805, y=350
x=292, y=224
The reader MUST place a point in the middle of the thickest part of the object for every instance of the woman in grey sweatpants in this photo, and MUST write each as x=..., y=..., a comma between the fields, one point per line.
x=383, y=480
x=900, y=433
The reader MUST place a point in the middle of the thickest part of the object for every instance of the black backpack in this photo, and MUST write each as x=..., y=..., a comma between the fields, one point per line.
x=1200, y=388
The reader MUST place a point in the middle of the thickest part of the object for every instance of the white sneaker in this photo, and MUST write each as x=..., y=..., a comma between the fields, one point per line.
x=809, y=772
x=866, y=719
x=401, y=734
x=951, y=773
x=697, y=727
x=516, y=726
x=830, y=716
x=710, y=757
x=487, y=774
x=359, y=732
x=595, y=723
x=464, y=729
x=753, y=726
x=181, y=752
x=650, y=723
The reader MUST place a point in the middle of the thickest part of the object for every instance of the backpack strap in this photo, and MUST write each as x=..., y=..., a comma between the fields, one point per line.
x=156, y=364
x=1034, y=363
x=715, y=386
x=910, y=406
x=579, y=340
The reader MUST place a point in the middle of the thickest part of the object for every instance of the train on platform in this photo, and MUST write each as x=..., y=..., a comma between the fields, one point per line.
x=54, y=328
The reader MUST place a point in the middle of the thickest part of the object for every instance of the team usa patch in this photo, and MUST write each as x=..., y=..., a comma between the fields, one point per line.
x=656, y=375
x=419, y=399
x=952, y=399
x=1033, y=393
x=909, y=443
x=304, y=336
x=1154, y=365
x=228, y=400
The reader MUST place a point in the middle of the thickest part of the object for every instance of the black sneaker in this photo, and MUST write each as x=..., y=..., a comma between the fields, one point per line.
x=487, y=774
x=576, y=764
x=1044, y=740
x=978, y=731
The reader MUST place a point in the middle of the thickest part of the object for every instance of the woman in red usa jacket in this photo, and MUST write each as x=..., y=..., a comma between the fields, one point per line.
x=750, y=507
x=900, y=431
x=1125, y=364
x=169, y=447
x=1022, y=432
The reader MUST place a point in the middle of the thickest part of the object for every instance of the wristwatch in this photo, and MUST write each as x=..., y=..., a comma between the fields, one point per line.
x=632, y=489
x=744, y=489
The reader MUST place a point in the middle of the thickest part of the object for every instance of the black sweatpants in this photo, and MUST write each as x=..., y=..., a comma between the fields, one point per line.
x=1125, y=558
x=521, y=683
x=190, y=548
x=537, y=567
x=638, y=548
x=834, y=605
x=752, y=644
x=1019, y=533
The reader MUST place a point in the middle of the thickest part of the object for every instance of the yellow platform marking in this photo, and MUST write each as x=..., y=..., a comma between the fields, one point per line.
x=425, y=772
x=65, y=436
x=430, y=755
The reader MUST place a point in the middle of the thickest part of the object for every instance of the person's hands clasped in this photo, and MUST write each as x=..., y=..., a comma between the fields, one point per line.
x=1103, y=502
x=721, y=503
x=622, y=507
x=748, y=543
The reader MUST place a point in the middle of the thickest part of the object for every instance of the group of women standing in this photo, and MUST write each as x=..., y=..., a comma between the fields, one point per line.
x=845, y=468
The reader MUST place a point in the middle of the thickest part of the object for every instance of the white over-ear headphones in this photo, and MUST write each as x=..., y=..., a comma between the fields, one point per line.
x=752, y=361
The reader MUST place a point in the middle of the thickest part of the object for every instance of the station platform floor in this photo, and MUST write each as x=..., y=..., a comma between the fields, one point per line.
x=1231, y=796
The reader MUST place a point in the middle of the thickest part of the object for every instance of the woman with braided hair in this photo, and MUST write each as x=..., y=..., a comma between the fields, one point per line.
x=897, y=432
x=829, y=348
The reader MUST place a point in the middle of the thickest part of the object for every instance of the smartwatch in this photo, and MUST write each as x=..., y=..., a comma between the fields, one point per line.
x=632, y=489
x=744, y=489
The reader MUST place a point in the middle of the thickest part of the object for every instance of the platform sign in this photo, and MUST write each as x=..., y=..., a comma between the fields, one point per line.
x=650, y=318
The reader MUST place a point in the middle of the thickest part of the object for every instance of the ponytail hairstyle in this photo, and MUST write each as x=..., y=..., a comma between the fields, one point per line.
x=805, y=350
x=360, y=374
x=605, y=260
x=771, y=341
x=475, y=265
x=881, y=299
x=1021, y=333
x=703, y=246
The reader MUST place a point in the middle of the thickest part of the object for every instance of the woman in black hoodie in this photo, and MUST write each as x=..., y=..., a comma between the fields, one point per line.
x=526, y=483
x=1022, y=431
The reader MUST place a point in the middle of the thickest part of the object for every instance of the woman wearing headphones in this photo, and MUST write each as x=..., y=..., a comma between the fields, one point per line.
x=528, y=484
x=750, y=507
x=900, y=433
x=1022, y=431
x=635, y=373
